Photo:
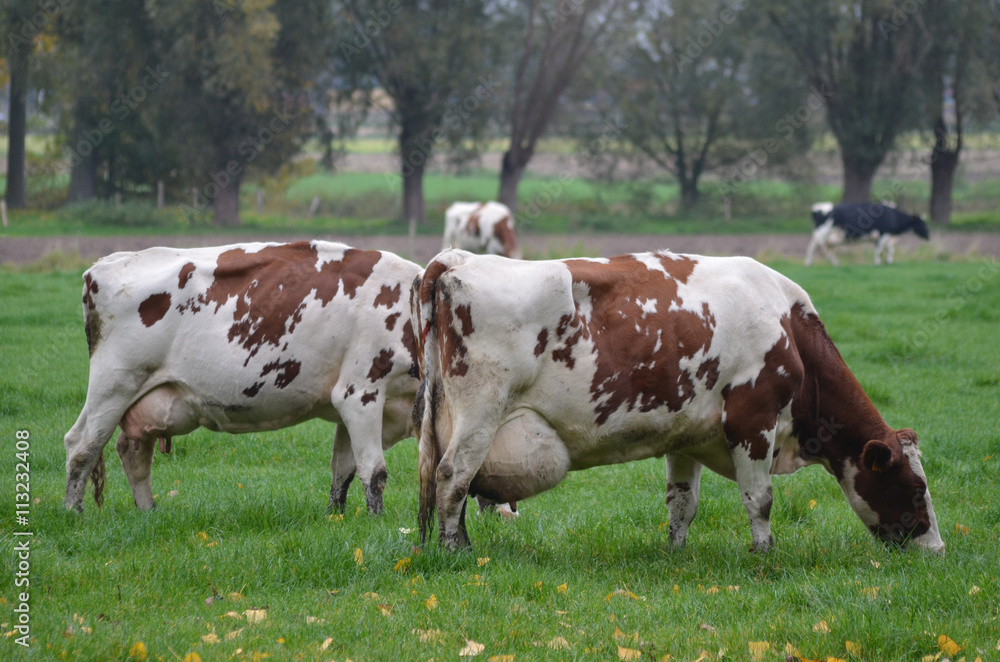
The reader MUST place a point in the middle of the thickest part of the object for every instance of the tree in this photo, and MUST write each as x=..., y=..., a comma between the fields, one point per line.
x=865, y=61
x=235, y=91
x=679, y=100
x=957, y=83
x=20, y=28
x=427, y=56
x=554, y=38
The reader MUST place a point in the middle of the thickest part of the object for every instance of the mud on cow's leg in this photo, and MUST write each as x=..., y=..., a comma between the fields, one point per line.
x=137, y=461
x=683, y=487
x=365, y=439
x=342, y=468
x=754, y=479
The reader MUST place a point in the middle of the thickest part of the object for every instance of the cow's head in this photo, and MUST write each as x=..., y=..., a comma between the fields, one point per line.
x=889, y=493
x=920, y=227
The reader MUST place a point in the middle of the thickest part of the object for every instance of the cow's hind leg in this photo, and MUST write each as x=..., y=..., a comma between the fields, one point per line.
x=364, y=430
x=342, y=467
x=469, y=447
x=683, y=486
x=137, y=461
x=85, y=443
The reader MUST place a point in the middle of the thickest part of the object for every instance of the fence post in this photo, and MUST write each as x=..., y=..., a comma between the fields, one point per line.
x=159, y=194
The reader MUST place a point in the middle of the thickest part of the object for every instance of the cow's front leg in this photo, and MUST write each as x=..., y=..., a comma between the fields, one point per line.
x=342, y=467
x=754, y=479
x=137, y=461
x=683, y=486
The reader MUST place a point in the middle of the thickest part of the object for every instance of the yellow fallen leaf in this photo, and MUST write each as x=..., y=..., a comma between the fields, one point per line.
x=211, y=638
x=835, y=659
x=948, y=646
x=232, y=635
x=812, y=504
x=483, y=560
x=501, y=658
x=667, y=658
x=870, y=591
x=961, y=528
x=326, y=643
x=359, y=556
x=280, y=640
x=677, y=588
x=192, y=657
x=137, y=652
x=402, y=565
x=428, y=636
x=852, y=648
x=472, y=649
x=255, y=615
x=370, y=595
x=975, y=589
x=628, y=654
x=702, y=656
x=235, y=596
x=712, y=591
x=232, y=614
x=202, y=536
x=558, y=643
x=336, y=518
x=623, y=593
x=931, y=658
x=821, y=628
x=733, y=589
x=86, y=630
x=562, y=588
x=757, y=650
x=385, y=609
x=431, y=602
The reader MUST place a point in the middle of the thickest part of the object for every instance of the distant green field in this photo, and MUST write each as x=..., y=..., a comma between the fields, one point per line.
x=584, y=574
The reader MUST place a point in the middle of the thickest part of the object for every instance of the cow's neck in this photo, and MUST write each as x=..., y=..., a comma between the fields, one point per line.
x=833, y=418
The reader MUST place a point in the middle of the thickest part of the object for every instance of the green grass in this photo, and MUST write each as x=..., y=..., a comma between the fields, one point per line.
x=249, y=519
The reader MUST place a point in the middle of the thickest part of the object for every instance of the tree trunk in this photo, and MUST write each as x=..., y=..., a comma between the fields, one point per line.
x=226, y=206
x=413, y=194
x=858, y=180
x=944, y=163
x=17, y=181
x=83, y=179
x=510, y=178
x=689, y=192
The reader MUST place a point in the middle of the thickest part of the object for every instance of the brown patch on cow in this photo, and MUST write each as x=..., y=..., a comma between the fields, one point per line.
x=503, y=230
x=708, y=372
x=464, y=314
x=349, y=391
x=368, y=398
x=564, y=353
x=472, y=226
x=184, y=275
x=410, y=343
x=92, y=323
x=154, y=308
x=428, y=283
x=287, y=372
x=753, y=407
x=390, y=321
x=272, y=287
x=381, y=365
x=251, y=391
x=543, y=340
x=388, y=296
x=639, y=353
x=452, y=345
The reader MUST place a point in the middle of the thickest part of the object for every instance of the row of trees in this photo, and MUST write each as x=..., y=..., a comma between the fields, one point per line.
x=203, y=95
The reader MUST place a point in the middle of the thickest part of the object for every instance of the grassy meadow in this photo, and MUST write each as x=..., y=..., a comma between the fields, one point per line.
x=242, y=562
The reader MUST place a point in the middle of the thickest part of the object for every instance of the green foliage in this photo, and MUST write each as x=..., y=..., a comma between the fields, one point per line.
x=248, y=528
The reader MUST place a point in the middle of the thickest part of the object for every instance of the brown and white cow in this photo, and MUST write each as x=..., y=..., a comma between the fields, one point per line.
x=242, y=338
x=481, y=227
x=534, y=369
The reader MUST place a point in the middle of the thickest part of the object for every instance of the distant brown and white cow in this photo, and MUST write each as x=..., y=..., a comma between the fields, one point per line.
x=534, y=369
x=242, y=338
x=481, y=227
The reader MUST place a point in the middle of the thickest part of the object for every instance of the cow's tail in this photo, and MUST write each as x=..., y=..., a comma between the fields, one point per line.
x=99, y=477
x=423, y=313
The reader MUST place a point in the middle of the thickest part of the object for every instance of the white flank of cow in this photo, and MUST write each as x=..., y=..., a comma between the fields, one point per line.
x=481, y=227
x=242, y=338
x=535, y=369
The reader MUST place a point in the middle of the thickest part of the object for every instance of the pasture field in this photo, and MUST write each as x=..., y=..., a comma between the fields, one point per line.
x=242, y=562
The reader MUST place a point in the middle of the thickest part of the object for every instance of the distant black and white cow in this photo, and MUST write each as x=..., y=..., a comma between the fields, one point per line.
x=535, y=369
x=481, y=227
x=243, y=338
x=878, y=222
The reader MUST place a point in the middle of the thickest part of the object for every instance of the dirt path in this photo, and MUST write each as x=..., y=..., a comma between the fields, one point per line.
x=22, y=250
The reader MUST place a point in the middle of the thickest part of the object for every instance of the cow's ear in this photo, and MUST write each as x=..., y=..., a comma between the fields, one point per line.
x=907, y=436
x=878, y=456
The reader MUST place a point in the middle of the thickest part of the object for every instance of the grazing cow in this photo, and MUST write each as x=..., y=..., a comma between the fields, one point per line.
x=243, y=338
x=481, y=227
x=878, y=222
x=534, y=369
